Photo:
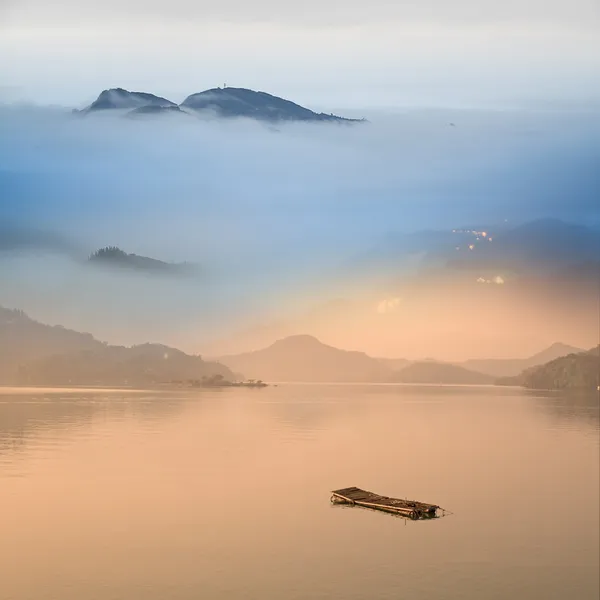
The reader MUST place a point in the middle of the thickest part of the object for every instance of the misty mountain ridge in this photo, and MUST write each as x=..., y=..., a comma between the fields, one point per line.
x=241, y=102
x=506, y=367
x=151, y=110
x=32, y=353
x=223, y=102
x=304, y=358
x=574, y=371
x=395, y=364
x=537, y=247
x=16, y=240
x=144, y=364
x=543, y=248
x=23, y=339
x=118, y=98
x=431, y=371
x=112, y=256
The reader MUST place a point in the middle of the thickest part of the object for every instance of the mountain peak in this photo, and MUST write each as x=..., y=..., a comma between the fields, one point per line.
x=119, y=98
x=115, y=257
x=224, y=102
x=305, y=358
x=243, y=102
x=299, y=341
x=300, y=337
x=555, y=350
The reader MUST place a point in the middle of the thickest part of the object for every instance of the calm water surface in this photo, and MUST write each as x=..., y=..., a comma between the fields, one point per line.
x=111, y=495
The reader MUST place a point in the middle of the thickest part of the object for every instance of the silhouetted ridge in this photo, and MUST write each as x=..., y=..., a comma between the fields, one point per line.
x=577, y=371
x=241, y=102
x=32, y=353
x=508, y=367
x=115, y=257
x=224, y=102
x=429, y=371
x=305, y=358
x=153, y=109
x=118, y=98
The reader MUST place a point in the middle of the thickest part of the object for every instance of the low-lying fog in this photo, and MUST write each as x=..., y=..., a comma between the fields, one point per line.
x=268, y=213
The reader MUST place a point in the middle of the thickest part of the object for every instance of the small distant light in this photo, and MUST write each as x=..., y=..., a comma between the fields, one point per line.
x=484, y=234
x=166, y=355
x=458, y=247
x=471, y=246
x=490, y=239
x=498, y=280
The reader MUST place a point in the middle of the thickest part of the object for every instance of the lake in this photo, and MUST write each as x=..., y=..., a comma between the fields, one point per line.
x=225, y=494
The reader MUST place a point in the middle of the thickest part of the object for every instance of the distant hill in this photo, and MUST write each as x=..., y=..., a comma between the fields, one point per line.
x=395, y=364
x=574, y=371
x=438, y=372
x=222, y=102
x=304, y=358
x=146, y=364
x=513, y=366
x=34, y=353
x=544, y=248
x=241, y=102
x=115, y=257
x=118, y=98
x=538, y=248
x=22, y=340
x=152, y=110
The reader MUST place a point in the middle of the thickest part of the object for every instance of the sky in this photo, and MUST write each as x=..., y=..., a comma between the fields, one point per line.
x=324, y=54
x=273, y=213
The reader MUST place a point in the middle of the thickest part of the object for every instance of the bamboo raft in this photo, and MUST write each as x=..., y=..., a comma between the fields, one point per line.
x=406, y=508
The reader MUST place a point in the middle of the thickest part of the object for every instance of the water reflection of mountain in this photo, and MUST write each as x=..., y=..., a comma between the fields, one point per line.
x=301, y=419
x=27, y=418
x=575, y=407
x=299, y=410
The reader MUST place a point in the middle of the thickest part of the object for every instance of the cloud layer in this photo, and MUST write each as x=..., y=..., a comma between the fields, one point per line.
x=269, y=214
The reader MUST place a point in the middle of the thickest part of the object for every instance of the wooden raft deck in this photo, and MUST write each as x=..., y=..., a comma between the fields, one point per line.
x=406, y=508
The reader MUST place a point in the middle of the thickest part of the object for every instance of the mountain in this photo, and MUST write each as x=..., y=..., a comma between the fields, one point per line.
x=537, y=247
x=35, y=353
x=153, y=109
x=304, y=358
x=430, y=371
x=112, y=256
x=241, y=102
x=513, y=366
x=224, y=102
x=395, y=364
x=118, y=98
x=146, y=364
x=578, y=371
x=544, y=248
x=22, y=340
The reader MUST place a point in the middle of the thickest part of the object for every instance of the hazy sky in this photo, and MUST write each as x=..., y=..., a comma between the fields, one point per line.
x=270, y=213
x=326, y=54
x=272, y=216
